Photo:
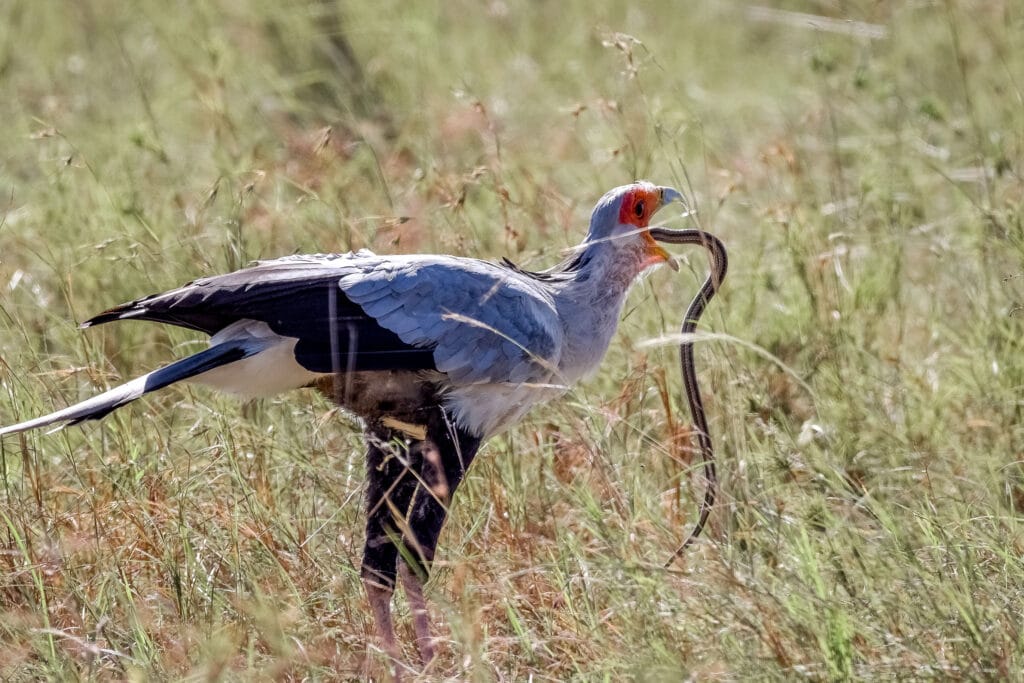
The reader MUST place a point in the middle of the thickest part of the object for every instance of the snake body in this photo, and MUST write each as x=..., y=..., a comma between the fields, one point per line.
x=719, y=267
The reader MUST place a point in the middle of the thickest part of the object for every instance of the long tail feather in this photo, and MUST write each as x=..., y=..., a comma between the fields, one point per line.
x=98, y=406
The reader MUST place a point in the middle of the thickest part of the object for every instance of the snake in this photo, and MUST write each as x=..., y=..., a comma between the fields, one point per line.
x=711, y=285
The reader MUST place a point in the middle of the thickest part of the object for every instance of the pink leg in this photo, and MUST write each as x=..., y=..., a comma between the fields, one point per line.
x=420, y=615
x=379, y=598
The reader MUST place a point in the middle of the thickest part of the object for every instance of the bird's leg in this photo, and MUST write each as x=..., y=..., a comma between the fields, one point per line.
x=379, y=597
x=390, y=485
x=447, y=453
x=420, y=614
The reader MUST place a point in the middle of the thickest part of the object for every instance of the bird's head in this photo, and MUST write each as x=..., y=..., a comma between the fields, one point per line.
x=622, y=218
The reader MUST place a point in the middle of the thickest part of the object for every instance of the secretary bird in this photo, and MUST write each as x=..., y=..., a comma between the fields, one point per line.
x=435, y=354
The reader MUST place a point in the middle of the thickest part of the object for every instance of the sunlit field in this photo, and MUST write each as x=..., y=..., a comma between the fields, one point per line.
x=863, y=364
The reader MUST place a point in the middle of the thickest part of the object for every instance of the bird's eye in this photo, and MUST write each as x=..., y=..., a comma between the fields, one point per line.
x=638, y=209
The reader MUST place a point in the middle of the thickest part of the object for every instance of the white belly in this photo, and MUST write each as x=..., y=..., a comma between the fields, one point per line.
x=486, y=409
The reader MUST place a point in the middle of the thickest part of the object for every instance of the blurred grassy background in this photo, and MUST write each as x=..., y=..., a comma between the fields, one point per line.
x=864, y=169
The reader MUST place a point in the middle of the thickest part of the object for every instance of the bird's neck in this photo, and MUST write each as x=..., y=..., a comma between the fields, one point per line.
x=590, y=304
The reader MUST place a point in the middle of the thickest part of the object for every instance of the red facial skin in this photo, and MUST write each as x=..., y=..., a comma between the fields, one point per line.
x=638, y=206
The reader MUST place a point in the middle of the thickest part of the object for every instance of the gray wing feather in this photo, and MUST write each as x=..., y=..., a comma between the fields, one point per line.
x=485, y=323
x=381, y=308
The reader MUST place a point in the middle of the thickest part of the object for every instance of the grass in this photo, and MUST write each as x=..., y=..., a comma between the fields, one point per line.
x=866, y=383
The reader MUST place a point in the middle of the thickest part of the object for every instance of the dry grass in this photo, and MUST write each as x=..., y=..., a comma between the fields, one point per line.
x=867, y=407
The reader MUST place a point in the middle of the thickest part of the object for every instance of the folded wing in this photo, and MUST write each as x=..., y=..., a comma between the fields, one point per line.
x=475, y=321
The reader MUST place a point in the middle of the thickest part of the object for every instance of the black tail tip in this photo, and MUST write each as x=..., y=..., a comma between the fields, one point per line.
x=104, y=317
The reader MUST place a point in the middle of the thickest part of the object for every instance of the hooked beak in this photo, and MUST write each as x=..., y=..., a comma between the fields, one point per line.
x=669, y=195
x=657, y=252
